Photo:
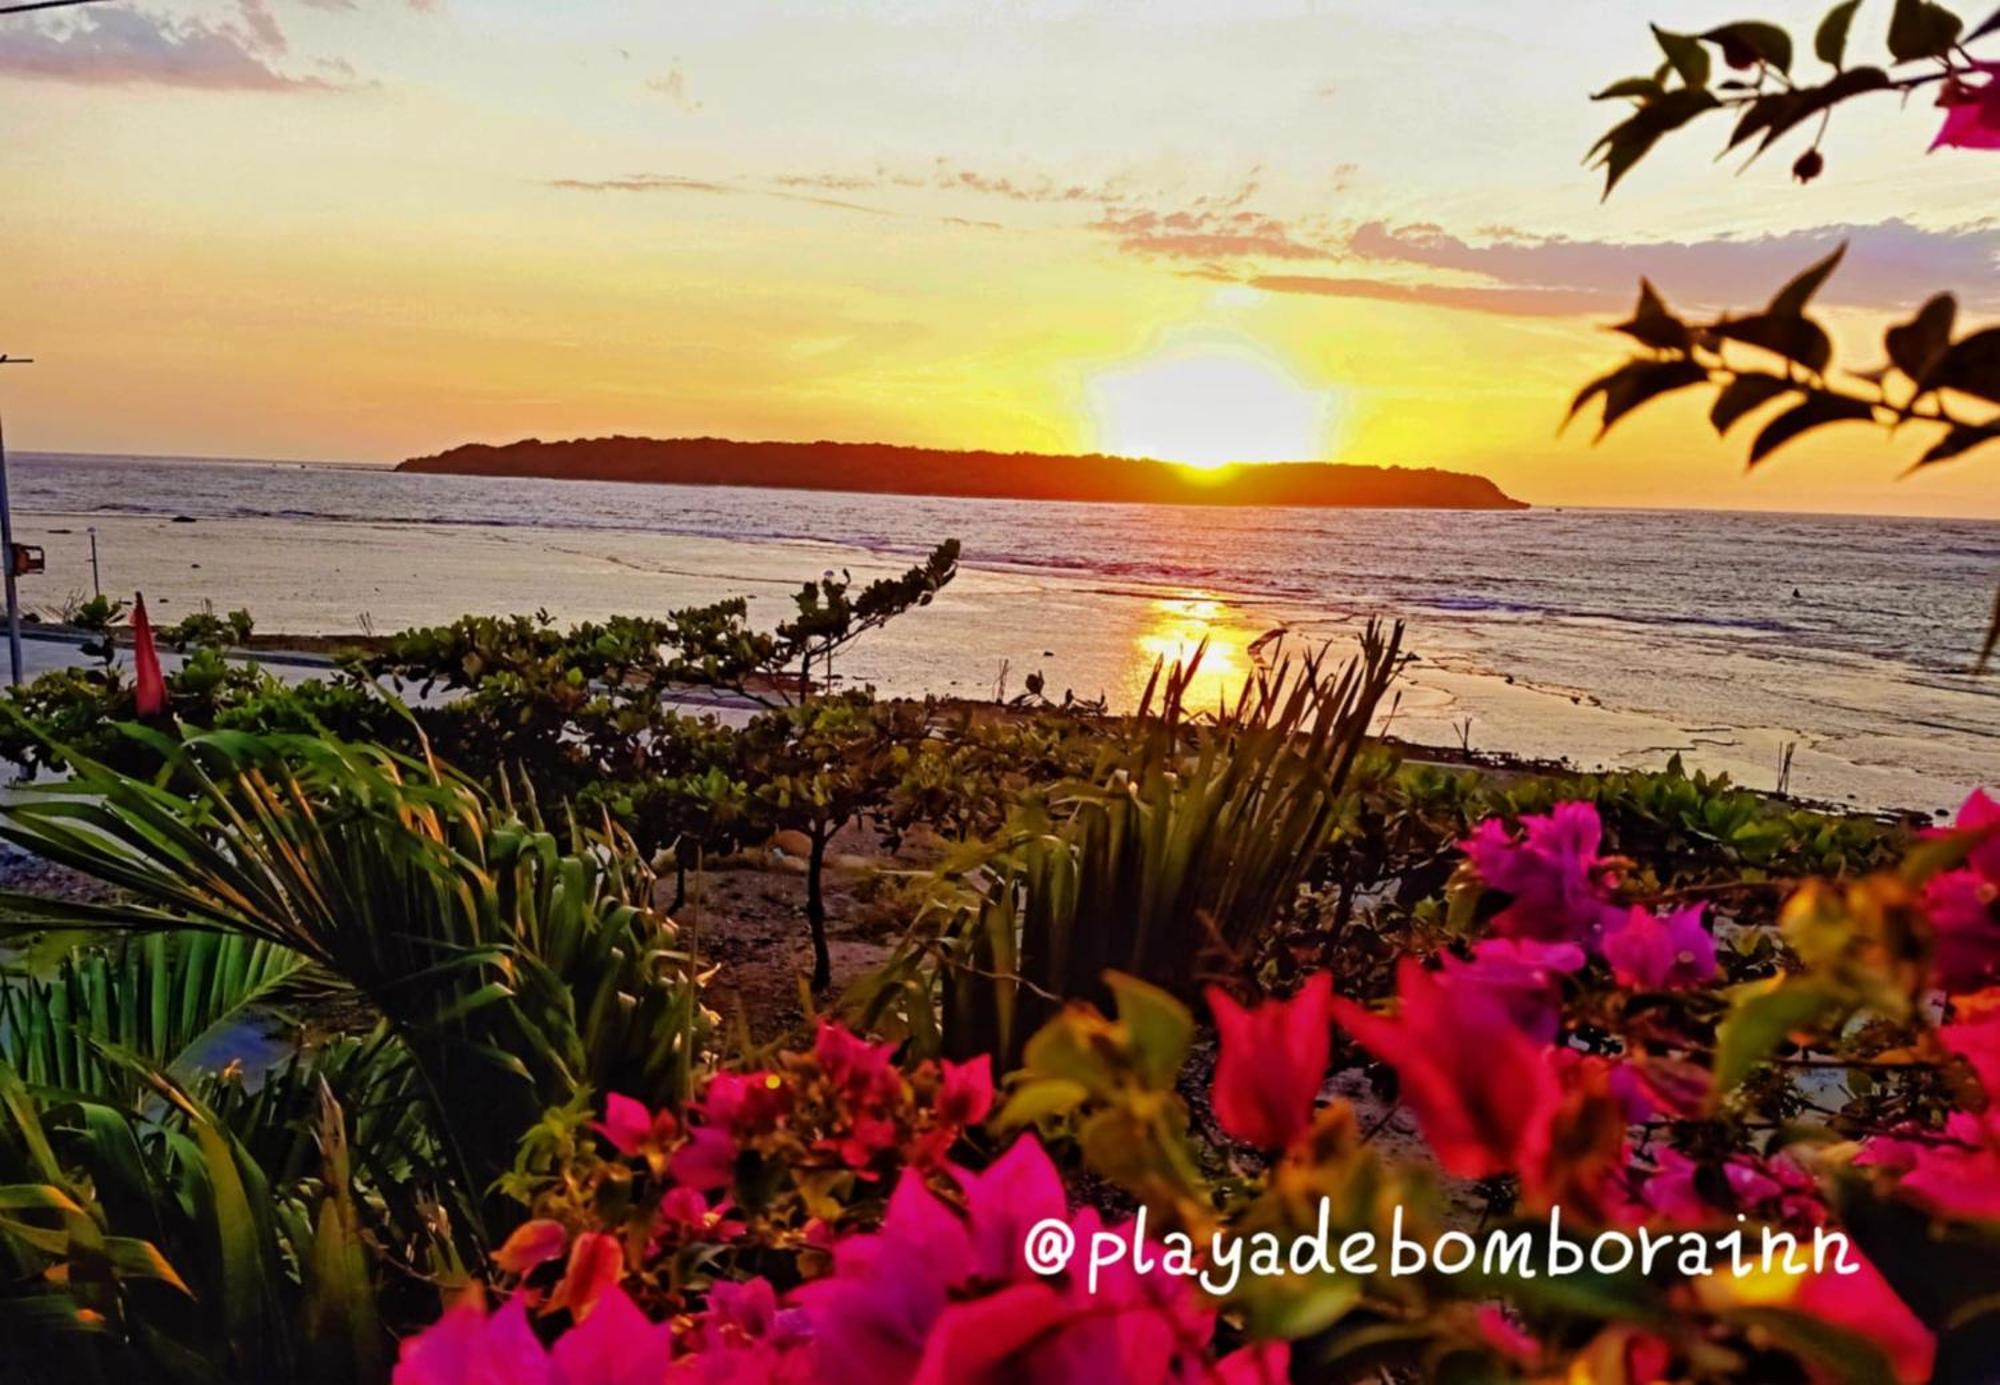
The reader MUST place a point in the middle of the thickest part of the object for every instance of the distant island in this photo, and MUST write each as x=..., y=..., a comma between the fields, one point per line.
x=880, y=468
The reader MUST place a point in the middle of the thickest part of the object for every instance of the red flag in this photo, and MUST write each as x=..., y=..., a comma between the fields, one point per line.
x=152, y=691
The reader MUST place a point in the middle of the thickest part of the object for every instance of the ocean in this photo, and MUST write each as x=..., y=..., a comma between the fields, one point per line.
x=1606, y=637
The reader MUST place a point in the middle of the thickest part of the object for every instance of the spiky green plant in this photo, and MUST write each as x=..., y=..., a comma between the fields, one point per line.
x=1193, y=835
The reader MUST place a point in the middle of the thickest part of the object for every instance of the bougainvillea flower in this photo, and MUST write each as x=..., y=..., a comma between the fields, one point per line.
x=1552, y=871
x=1776, y=1186
x=1266, y=1363
x=530, y=1244
x=1272, y=1062
x=965, y=1091
x=1953, y=1173
x=707, y=1161
x=1003, y=1201
x=1860, y=1302
x=685, y=1215
x=629, y=1127
x=746, y=1104
x=1482, y=1090
x=1972, y=113
x=149, y=687
x=615, y=1345
x=861, y=1071
x=1964, y=909
x=1658, y=953
x=1522, y=976
x=935, y=1297
x=468, y=1346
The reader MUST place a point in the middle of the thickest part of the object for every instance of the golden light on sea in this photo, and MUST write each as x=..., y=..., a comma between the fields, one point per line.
x=1179, y=626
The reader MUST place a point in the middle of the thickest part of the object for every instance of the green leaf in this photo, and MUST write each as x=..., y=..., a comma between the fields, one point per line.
x=1160, y=1027
x=1921, y=29
x=1686, y=54
x=1918, y=345
x=1760, y=1017
x=1830, y=41
x=1765, y=42
x=1791, y=300
x=1815, y=412
x=1972, y=366
x=1743, y=395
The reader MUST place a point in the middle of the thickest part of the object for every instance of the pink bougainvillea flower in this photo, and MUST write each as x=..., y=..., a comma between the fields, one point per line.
x=531, y=1243
x=467, y=1346
x=861, y=1071
x=965, y=1091
x=1976, y=1038
x=1552, y=871
x=1660, y=954
x=1775, y=1186
x=707, y=1161
x=685, y=1216
x=1523, y=976
x=746, y=1104
x=1964, y=904
x=615, y=1345
x=1972, y=113
x=596, y=1264
x=1272, y=1063
x=1953, y=1173
x=745, y=1338
x=1265, y=1363
x=1506, y=1336
x=630, y=1128
x=1482, y=1089
x=1860, y=1302
x=1003, y=1201
x=1964, y=908
x=938, y=1298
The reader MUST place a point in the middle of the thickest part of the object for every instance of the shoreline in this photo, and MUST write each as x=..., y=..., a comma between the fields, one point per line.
x=1591, y=691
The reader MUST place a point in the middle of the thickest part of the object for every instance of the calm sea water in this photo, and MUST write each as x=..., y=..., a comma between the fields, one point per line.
x=1705, y=632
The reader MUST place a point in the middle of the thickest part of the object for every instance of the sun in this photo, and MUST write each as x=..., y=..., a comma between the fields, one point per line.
x=1207, y=400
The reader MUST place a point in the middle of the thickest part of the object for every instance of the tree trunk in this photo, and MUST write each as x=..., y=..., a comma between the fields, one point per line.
x=816, y=912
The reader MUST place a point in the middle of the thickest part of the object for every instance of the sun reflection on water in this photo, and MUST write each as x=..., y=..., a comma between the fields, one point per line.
x=1179, y=625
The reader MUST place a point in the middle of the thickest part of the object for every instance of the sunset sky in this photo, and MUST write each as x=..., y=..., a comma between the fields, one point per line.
x=365, y=229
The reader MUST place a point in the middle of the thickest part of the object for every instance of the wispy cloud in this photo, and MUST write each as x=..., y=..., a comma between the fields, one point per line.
x=115, y=46
x=1888, y=264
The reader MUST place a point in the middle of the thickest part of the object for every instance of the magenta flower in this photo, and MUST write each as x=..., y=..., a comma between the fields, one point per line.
x=1660, y=954
x=629, y=1127
x=1964, y=904
x=965, y=1091
x=1972, y=113
x=1272, y=1063
x=1483, y=1091
x=616, y=1345
x=938, y=1298
x=863, y=1072
x=467, y=1346
x=1520, y=975
x=1552, y=871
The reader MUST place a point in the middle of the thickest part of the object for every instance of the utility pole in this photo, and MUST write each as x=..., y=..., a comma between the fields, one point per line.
x=7, y=550
x=96, y=586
